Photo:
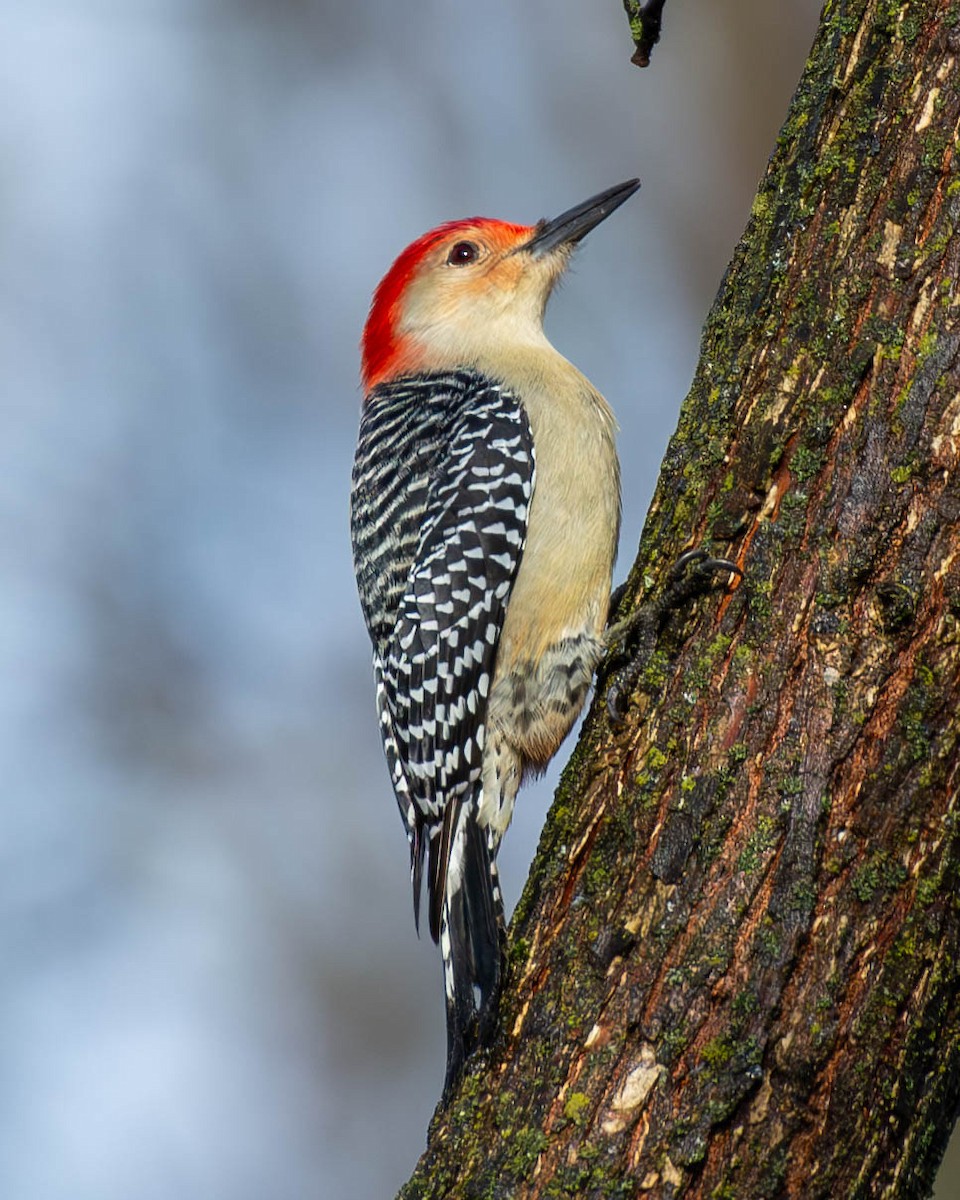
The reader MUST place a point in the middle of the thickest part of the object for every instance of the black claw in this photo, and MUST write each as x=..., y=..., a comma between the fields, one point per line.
x=694, y=554
x=705, y=565
x=691, y=574
x=720, y=564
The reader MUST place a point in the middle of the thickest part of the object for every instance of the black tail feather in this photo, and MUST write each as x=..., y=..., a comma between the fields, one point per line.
x=472, y=941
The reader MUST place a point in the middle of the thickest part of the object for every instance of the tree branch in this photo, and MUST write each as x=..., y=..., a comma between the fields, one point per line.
x=645, y=21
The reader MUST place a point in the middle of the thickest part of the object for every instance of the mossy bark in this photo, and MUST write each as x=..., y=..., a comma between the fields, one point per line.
x=736, y=964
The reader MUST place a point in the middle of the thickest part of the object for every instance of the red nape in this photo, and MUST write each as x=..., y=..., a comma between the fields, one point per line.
x=381, y=344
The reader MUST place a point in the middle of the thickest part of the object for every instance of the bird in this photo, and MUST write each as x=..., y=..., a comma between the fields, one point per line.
x=485, y=516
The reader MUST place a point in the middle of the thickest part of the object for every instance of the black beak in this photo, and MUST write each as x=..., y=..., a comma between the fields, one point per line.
x=577, y=222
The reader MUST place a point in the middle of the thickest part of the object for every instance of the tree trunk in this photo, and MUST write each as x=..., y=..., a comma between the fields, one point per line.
x=734, y=969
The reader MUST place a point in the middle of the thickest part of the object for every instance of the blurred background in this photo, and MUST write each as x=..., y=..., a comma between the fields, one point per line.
x=211, y=981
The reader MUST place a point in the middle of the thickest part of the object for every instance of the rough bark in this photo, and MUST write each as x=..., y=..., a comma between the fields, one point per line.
x=735, y=964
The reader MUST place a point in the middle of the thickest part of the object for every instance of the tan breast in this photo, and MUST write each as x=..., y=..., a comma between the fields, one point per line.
x=563, y=585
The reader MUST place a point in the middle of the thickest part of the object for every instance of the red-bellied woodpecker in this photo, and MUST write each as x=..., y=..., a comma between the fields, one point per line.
x=485, y=514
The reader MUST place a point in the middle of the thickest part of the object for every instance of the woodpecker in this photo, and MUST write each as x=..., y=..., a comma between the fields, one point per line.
x=485, y=515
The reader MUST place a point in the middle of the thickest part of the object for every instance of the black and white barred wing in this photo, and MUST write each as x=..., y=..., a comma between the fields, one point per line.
x=450, y=620
x=435, y=666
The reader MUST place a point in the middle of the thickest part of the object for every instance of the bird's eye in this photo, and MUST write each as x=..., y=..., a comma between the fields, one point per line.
x=462, y=253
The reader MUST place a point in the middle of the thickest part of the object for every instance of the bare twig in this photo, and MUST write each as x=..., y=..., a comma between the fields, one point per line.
x=645, y=21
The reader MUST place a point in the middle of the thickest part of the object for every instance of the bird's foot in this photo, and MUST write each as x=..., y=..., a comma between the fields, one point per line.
x=690, y=576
